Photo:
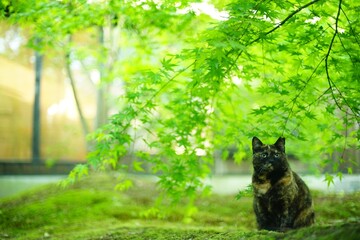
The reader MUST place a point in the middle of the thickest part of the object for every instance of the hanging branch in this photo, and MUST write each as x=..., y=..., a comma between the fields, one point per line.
x=239, y=54
x=331, y=83
x=85, y=127
x=283, y=22
x=352, y=30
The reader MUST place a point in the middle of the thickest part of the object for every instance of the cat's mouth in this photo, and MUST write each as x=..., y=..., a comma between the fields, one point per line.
x=264, y=168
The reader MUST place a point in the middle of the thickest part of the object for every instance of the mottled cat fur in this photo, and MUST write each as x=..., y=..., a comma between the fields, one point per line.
x=282, y=200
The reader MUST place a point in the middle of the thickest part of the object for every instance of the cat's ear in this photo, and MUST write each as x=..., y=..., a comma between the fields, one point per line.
x=256, y=144
x=280, y=144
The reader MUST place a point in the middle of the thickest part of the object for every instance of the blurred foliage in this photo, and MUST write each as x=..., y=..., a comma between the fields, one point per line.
x=269, y=68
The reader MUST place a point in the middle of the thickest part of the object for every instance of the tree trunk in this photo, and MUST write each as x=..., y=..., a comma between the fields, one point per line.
x=84, y=125
x=101, y=105
x=36, y=134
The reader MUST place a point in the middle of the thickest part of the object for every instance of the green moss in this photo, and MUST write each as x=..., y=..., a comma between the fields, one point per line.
x=92, y=210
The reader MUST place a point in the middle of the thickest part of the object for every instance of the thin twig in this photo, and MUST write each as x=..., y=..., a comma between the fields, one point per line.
x=323, y=94
x=351, y=29
x=84, y=124
x=167, y=83
x=346, y=50
x=294, y=100
x=346, y=135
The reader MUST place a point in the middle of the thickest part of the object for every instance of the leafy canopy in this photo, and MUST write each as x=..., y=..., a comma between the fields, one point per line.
x=271, y=68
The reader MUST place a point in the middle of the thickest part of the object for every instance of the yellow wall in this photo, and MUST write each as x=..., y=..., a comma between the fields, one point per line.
x=61, y=134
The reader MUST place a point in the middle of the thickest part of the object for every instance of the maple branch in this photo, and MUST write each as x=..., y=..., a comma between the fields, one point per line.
x=285, y=20
x=351, y=29
x=294, y=100
x=166, y=84
x=331, y=83
x=323, y=94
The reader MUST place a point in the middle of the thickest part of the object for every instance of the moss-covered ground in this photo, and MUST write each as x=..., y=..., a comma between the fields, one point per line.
x=91, y=209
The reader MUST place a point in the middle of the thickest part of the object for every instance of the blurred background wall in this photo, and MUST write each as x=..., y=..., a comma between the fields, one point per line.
x=61, y=137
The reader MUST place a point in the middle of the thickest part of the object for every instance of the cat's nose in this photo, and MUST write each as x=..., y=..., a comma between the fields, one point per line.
x=271, y=160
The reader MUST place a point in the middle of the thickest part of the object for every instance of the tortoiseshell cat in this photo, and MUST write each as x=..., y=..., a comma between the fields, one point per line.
x=282, y=200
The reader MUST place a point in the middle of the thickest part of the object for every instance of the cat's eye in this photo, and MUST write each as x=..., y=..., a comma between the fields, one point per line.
x=263, y=155
x=277, y=155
